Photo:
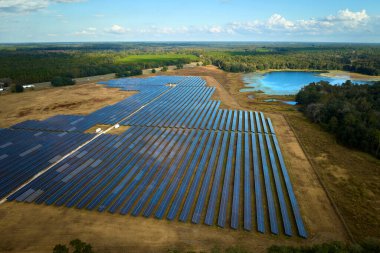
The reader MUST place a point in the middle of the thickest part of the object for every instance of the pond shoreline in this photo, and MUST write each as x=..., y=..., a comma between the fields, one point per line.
x=326, y=73
x=284, y=82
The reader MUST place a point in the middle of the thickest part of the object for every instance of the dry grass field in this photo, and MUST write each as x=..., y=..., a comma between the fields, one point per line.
x=41, y=104
x=350, y=177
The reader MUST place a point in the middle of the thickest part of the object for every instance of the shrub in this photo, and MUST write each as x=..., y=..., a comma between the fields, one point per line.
x=17, y=88
x=59, y=248
x=62, y=81
x=77, y=245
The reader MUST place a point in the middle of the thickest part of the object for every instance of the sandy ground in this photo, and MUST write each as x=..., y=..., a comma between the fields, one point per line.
x=37, y=228
x=41, y=104
x=352, y=76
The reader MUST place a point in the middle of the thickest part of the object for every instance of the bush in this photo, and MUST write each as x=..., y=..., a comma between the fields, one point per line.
x=164, y=69
x=77, y=245
x=17, y=88
x=62, y=81
x=59, y=248
x=129, y=72
x=153, y=71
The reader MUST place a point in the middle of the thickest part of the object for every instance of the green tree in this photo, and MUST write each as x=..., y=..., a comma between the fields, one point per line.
x=77, y=245
x=81, y=247
x=62, y=81
x=59, y=248
x=153, y=71
x=164, y=69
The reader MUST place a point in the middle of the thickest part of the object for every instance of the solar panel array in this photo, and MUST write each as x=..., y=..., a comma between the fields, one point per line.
x=24, y=153
x=182, y=158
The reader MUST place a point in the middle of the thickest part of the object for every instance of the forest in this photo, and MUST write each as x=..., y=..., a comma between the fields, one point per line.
x=355, y=59
x=41, y=62
x=40, y=66
x=351, y=112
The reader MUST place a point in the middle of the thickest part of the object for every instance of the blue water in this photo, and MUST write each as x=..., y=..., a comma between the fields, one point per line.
x=283, y=101
x=287, y=82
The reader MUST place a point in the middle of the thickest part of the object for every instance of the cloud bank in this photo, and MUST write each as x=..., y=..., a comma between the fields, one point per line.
x=22, y=6
x=343, y=22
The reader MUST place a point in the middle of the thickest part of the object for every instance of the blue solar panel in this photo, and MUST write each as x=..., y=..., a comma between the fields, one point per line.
x=184, y=185
x=247, y=184
x=257, y=185
x=206, y=181
x=226, y=182
x=236, y=188
x=268, y=187
x=181, y=157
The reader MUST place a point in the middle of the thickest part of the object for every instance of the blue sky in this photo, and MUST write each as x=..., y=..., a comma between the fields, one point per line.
x=195, y=20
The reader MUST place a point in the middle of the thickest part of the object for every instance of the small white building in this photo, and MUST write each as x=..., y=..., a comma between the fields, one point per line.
x=28, y=86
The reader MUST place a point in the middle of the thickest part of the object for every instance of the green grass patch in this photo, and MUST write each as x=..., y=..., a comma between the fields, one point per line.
x=153, y=58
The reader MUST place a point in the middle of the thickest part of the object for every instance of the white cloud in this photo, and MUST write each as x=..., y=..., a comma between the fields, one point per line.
x=22, y=6
x=117, y=29
x=349, y=19
x=343, y=22
x=215, y=29
x=276, y=21
x=87, y=31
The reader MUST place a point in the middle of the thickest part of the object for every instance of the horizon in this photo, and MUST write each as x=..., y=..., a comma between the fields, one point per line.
x=190, y=41
x=54, y=21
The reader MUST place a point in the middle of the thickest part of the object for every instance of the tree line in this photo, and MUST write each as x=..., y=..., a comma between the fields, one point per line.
x=25, y=67
x=364, y=60
x=32, y=63
x=351, y=112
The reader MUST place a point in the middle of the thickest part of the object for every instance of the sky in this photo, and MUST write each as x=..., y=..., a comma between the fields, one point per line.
x=189, y=20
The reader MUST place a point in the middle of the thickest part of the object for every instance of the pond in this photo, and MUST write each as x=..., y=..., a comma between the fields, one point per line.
x=287, y=82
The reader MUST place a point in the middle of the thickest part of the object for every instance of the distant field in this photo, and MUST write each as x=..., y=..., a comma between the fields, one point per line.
x=149, y=58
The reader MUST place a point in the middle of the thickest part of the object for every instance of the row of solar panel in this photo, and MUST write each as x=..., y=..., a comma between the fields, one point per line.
x=142, y=83
x=25, y=153
x=191, y=108
x=114, y=113
x=174, y=173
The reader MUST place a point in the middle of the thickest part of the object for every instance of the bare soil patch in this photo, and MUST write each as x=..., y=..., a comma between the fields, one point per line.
x=38, y=228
